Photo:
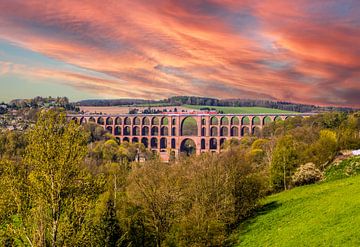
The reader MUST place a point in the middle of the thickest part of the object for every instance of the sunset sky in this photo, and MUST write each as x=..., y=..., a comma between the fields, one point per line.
x=303, y=51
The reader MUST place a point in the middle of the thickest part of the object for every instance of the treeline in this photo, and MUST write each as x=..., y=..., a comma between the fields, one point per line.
x=70, y=185
x=192, y=100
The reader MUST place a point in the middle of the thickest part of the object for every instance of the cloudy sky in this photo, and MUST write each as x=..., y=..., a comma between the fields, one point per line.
x=303, y=51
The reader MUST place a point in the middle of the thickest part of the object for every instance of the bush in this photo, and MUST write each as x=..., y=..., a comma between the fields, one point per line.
x=307, y=174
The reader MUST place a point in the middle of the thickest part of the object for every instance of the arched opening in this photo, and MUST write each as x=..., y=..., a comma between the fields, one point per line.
x=92, y=120
x=256, y=121
x=173, y=143
x=117, y=131
x=222, y=142
x=164, y=131
x=82, y=120
x=234, y=131
x=145, y=131
x=173, y=131
x=135, y=140
x=118, y=121
x=173, y=121
x=126, y=139
x=155, y=121
x=189, y=127
x=245, y=121
x=109, y=121
x=203, y=144
x=127, y=121
x=224, y=121
x=109, y=129
x=203, y=131
x=224, y=131
x=74, y=119
x=127, y=131
x=136, y=121
x=136, y=131
x=235, y=121
x=154, y=143
x=163, y=143
x=145, y=121
x=100, y=121
x=164, y=121
x=214, y=131
x=277, y=118
x=245, y=131
x=203, y=121
x=267, y=120
x=213, y=143
x=214, y=121
x=154, y=131
x=118, y=140
x=145, y=141
x=256, y=131
x=188, y=147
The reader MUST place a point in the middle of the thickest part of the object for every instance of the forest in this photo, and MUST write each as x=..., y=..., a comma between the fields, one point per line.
x=63, y=184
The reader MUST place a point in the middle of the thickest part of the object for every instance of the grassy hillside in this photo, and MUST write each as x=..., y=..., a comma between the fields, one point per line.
x=325, y=214
x=228, y=109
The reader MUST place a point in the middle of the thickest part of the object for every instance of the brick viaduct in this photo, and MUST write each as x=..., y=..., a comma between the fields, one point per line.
x=168, y=132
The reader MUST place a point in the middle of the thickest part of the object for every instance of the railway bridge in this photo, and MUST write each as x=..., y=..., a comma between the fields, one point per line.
x=170, y=134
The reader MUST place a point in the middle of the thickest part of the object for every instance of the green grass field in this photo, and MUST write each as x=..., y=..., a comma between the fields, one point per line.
x=240, y=110
x=324, y=214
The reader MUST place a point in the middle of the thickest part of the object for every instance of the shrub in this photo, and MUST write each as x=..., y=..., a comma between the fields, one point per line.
x=306, y=174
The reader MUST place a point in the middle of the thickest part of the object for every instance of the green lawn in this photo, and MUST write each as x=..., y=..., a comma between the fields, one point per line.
x=324, y=214
x=234, y=110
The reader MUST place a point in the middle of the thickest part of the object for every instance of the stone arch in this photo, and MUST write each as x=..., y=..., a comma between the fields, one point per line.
x=110, y=129
x=203, y=144
x=136, y=131
x=82, y=120
x=203, y=121
x=235, y=121
x=234, y=131
x=109, y=121
x=145, y=131
x=146, y=121
x=267, y=120
x=213, y=131
x=164, y=121
x=136, y=121
x=100, y=121
x=213, y=143
x=256, y=121
x=163, y=143
x=245, y=120
x=189, y=127
x=118, y=130
x=224, y=131
x=92, y=120
x=173, y=143
x=74, y=119
x=155, y=131
x=222, y=142
x=224, y=121
x=245, y=131
x=164, y=131
x=188, y=146
x=135, y=140
x=155, y=121
x=278, y=118
x=203, y=131
x=154, y=142
x=145, y=141
x=173, y=121
x=127, y=131
x=126, y=139
x=118, y=121
x=214, y=121
x=256, y=131
x=127, y=121
x=173, y=131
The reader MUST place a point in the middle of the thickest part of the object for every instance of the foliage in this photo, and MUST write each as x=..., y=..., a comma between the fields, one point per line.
x=306, y=174
x=346, y=168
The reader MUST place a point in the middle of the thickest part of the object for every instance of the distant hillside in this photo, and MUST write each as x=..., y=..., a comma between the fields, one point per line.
x=204, y=101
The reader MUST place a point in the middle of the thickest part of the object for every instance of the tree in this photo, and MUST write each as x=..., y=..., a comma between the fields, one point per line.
x=55, y=152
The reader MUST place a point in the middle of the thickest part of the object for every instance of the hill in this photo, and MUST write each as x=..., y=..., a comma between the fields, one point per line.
x=239, y=110
x=324, y=214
